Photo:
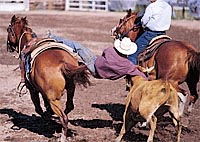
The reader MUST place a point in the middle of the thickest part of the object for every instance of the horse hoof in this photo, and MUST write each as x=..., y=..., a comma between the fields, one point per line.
x=190, y=107
x=46, y=115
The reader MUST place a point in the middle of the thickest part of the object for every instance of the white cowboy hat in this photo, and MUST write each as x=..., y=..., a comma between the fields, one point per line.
x=125, y=46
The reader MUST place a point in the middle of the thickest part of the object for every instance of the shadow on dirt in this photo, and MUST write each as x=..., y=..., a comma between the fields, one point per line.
x=41, y=126
x=33, y=123
x=92, y=124
x=38, y=125
x=115, y=110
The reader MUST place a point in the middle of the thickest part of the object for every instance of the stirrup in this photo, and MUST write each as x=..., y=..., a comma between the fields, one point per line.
x=20, y=88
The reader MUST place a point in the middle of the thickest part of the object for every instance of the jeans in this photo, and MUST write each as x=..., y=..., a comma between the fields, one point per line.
x=142, y=42
x=86, y=54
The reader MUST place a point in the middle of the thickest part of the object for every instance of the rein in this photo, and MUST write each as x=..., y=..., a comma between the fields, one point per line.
x=18, y=48
x=134, y=28
x=20, y=40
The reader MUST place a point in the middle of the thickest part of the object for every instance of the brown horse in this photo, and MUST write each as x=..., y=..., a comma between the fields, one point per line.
x=175, y=61
x=53, y=71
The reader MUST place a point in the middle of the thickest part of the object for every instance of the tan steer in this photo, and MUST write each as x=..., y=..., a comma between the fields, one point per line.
x=145, y=97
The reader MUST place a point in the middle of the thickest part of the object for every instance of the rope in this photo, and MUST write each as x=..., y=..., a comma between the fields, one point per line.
x=19, y=47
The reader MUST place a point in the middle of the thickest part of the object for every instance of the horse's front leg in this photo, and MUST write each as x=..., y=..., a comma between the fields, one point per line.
x=193, y=94
x=70, y=87
x=36, y=101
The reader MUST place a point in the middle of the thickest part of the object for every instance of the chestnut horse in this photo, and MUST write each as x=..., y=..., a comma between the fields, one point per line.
x=53, y=71
x=176, y=61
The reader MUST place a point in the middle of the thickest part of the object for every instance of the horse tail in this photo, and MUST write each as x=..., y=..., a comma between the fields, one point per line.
x=79, y=74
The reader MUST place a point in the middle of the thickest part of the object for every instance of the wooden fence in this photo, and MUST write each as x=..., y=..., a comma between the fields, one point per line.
x=87, y=5
x=14, y=5
x=47, y=4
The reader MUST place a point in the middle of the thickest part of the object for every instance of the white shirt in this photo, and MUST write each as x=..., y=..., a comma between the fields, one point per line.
x=157, y=16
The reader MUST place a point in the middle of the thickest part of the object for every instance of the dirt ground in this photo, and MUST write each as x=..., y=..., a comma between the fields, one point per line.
x=97, y=116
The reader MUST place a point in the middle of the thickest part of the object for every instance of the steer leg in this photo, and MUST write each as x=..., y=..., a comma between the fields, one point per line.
x=152, y=123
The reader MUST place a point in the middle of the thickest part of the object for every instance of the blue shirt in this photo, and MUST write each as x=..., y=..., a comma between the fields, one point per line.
x=157, y=16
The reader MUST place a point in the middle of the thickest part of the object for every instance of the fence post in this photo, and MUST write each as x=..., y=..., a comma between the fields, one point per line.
x=67, y=5
x=106, y=5
x=93, y=5
x=26, y=5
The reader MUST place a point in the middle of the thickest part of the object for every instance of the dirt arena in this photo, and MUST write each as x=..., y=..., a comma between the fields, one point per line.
x=97, y=116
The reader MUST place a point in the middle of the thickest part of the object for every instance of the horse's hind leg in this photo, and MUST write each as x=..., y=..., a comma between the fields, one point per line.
x=36, y=101
x=57, y=108
x=70, y=87
x=49, y=112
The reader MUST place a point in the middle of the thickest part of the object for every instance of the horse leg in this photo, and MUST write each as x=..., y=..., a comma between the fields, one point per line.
x=70, y=87
x=49, y=112
x=193, y=93
x=36, y=101
x=57, y=108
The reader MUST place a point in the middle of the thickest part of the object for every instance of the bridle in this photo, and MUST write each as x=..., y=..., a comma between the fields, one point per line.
x=17, y=45
x=124, y=21
x=10, y=45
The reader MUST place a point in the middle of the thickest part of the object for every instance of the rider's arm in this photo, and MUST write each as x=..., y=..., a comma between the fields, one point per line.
x=147, y=16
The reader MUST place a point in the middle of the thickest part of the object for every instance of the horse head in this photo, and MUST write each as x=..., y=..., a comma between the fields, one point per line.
x=128, y=26
x=17, y=28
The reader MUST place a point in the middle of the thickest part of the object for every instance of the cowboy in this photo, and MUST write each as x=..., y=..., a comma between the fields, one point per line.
x=113, y=62
x=155, y=21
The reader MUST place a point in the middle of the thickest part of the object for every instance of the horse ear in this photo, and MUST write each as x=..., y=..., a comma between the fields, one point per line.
x=24, y=20
x=13, y=19
x=129, y=12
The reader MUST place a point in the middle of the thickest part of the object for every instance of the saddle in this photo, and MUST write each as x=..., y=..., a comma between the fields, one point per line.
x=146, y=54
x=38, y=46
x=154, y=44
